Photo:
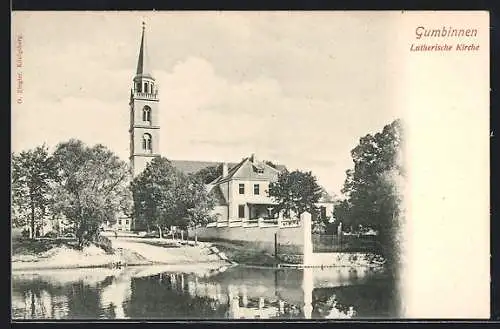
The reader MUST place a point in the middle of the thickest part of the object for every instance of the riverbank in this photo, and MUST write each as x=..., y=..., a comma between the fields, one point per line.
x=241, y=254
x=133, y=250
x=215, y=250
x=57, y=253
x=168, y=251
x=126, y=251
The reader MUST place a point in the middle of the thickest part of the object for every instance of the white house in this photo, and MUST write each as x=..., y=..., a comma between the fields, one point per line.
x=242, y=191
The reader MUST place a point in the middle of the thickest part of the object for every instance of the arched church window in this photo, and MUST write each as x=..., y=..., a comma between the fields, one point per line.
x=146, y=142
x=146, y=114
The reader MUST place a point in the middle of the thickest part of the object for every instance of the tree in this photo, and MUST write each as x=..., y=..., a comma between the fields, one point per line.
x=156, y=195
x=32, y=177
x=197, y=203
x=295, y=191
x=209, y=174
x=372, y=201
x=91, y=187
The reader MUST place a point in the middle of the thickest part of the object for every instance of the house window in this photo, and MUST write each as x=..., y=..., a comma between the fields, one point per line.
x=242, y=188
x=127, y=222
x=146, y=142
x=146, y=114
x=241, y=211
x=260, y=171
x=139, y=87
x=256, y=189
x=323, y=212
x=119, y=222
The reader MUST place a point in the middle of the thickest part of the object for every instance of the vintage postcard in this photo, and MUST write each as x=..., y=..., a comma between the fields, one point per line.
x=250, y=165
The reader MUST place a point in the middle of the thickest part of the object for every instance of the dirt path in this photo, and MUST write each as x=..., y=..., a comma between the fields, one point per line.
x=166, y=254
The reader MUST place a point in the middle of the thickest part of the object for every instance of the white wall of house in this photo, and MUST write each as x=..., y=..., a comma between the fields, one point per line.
x=122, y=224
x=328, y=207
x=236, y=199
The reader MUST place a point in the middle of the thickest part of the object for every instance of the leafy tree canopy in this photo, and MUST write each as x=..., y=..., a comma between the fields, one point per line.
x=33, y=175
x=209, y=174
x=197, y=203
x=295, y=191
x=155, y=193
x=371, y=187
x=92, y=187
x=164, y=197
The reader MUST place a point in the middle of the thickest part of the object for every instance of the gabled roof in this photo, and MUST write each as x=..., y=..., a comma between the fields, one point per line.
x=247, y=169
x=230, y=173
x=219, y=196
x=280, y=168
x=190, y=167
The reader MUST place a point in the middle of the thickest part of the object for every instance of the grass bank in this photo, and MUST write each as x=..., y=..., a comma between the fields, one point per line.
x=235, y=252
x=243, y=255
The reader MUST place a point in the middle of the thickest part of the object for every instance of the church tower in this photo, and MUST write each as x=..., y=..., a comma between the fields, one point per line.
x=144, y=115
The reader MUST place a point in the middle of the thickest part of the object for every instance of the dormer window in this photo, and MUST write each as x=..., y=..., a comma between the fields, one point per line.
x=258, y=169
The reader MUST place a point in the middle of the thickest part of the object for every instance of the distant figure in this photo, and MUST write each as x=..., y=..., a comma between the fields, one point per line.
x=116, y=235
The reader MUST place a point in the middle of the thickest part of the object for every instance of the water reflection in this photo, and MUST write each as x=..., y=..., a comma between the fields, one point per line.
x=171, y=293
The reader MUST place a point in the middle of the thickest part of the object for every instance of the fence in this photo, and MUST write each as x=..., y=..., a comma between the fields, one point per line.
x=344, y=243
x=259, y=222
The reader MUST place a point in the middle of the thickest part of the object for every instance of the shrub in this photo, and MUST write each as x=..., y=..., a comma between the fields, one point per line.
x=153, y=234
x=68, y=231
x=104, y=243
x=25, y=233
x=51, y=235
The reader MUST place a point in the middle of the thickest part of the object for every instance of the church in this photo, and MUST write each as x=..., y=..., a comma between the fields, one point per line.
x=241, y=190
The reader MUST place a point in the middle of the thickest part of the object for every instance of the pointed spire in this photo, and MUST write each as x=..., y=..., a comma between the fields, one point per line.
x=143, y=69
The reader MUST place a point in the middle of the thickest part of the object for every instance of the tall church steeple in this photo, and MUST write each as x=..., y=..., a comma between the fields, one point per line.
x=144, y=116
x=143, y=69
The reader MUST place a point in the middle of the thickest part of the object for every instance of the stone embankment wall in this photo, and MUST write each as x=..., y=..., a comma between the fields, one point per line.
x=289, y=240
x=294, y=243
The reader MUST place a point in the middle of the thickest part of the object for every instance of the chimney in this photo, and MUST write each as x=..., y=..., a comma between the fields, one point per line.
x=253, y=158
x=225, y=169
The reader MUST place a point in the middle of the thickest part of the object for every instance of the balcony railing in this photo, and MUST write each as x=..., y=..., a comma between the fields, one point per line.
x=146, y=95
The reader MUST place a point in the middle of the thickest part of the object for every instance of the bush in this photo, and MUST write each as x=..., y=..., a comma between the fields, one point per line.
x=68, y=231
x=153, y=234
x=51, y=235
x=25, y=233
x=104, y=243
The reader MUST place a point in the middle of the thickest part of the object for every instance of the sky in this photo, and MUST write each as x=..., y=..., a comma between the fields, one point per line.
x=298, y=89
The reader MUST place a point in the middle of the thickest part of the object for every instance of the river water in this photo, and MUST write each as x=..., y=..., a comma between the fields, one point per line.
x=201, y=292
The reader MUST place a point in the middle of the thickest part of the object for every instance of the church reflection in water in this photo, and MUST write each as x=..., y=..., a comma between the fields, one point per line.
x=235, y=293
